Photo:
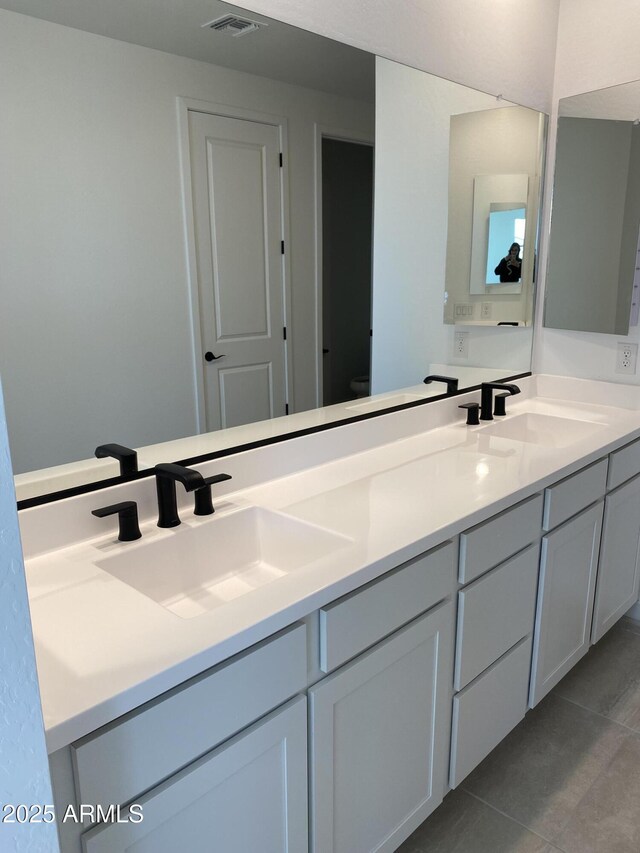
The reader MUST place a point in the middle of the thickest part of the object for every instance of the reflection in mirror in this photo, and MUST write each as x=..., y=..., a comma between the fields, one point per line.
x=499, y=223
x=494, y=188
x=146, y=296
x=594, y=245
x=507, y=225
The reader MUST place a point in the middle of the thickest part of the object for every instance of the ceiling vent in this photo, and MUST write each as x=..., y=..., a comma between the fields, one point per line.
x=234, y=26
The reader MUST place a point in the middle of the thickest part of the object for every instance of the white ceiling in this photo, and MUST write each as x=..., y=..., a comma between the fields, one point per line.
x=279, y=51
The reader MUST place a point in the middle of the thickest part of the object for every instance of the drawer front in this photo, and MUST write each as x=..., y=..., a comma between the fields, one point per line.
x=486, y=711
x=359, y=620
x=490, y=543
x=494, y=613
x=573, y=494
x=624, y=464
x=131, y=756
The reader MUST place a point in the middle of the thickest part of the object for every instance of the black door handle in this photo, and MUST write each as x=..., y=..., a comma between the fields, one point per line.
x=209, y=356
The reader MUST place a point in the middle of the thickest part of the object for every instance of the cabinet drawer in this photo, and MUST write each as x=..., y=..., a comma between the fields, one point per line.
x=486, y=711
x=624, y=464
x=486, y=545
x=359, y=620
x=573, y=494
x=134, y=754
x=494, y=613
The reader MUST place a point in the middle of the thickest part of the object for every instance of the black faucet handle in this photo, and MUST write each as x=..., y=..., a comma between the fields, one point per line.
x=500, y=404
x=204, y=502
x=127, y=511
x=127, y=457
x=450, y=381
x=473, y=412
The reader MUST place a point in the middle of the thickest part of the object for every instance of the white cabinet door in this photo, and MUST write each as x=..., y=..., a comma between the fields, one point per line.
x=568, y=564
x=248, y=795
x=618, y=577
x=380, y=730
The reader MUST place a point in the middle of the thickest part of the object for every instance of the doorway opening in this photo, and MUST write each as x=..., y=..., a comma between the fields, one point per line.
x=347, y=227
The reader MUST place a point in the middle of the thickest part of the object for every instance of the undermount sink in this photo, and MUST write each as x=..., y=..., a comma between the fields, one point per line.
x=193, y=570
x=547, y=430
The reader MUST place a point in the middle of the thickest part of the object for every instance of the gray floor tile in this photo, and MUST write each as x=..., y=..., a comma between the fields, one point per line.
x=543, y=769
x=607, y=680
x=608, y=817
x=630, y=625
x=463, y=824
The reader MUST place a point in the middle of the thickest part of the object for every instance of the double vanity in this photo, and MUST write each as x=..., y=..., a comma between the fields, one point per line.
x=366, y=615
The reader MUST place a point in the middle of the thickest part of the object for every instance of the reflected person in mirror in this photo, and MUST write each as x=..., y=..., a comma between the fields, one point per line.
x=510, y=267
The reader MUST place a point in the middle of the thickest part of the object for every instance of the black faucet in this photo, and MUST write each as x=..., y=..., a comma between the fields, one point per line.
x=450, y=382
x=127, y=512
x=127, y=457
x=167, y=475
x=204, y=504
x=486, y=397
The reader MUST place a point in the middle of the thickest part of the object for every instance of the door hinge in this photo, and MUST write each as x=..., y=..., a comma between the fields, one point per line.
x=286, y=408
x=281, y=159
x=284, y=333
x=282, y=247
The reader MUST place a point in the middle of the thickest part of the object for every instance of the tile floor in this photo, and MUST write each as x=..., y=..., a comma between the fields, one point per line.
x=566, y=779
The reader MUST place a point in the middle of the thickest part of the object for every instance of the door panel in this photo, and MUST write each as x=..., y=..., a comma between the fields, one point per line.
x=238, y=226
x=246, y=392
x=618, y=571
x=568, y=565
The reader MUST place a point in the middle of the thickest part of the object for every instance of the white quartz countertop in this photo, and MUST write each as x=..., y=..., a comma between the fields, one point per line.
x=103, y=648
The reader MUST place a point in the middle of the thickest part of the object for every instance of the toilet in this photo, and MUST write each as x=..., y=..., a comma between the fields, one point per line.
x=360, y=386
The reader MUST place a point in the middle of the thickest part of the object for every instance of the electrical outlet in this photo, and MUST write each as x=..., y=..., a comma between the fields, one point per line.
x=485, y=312
x=626, y=358
x=461, y=345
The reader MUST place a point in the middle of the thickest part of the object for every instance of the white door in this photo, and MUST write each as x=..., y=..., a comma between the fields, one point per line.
x=618, y=570
x=235, y=171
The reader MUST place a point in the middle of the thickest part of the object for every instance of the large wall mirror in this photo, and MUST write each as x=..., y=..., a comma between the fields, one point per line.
x=593, y=278
x=193, y=249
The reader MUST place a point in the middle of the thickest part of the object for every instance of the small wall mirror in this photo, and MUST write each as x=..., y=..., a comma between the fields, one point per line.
x=593, y=274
